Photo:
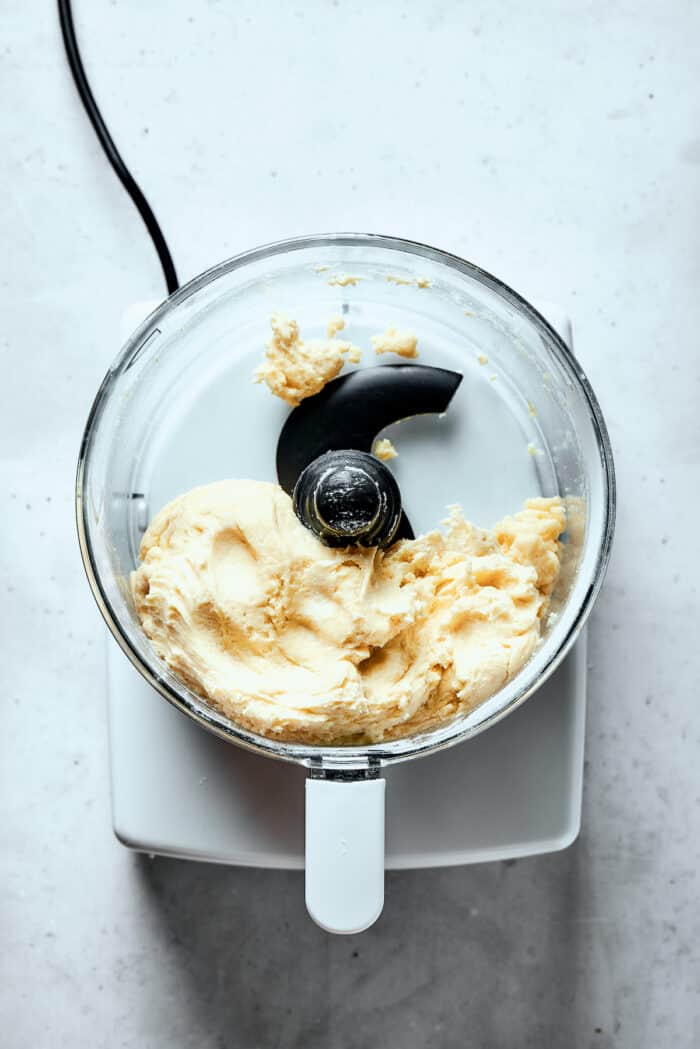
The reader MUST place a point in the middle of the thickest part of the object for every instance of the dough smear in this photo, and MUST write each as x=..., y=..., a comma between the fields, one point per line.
x=395, y=340
x=295, y=368
x=300, y=642
x=384, y=449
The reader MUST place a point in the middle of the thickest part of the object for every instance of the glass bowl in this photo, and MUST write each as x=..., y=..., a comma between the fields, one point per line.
x=178, y=409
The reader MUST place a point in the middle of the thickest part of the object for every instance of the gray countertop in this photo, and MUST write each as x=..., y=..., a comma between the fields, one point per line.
x=557, y=145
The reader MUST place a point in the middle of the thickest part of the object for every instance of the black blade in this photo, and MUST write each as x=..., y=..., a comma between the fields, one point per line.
x=350, y=411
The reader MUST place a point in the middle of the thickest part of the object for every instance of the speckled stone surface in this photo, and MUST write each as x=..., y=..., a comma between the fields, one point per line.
x=556, y=145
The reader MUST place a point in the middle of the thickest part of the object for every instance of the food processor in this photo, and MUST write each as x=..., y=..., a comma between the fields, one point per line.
x=178, y=409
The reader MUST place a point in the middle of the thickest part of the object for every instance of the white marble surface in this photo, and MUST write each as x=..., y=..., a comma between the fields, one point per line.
x=558, y=145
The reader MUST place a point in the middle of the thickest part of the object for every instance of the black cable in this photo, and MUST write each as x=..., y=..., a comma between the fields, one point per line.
x=127, y=180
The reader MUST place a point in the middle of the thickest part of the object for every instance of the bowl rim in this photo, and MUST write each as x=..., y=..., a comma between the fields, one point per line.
x=396, y=750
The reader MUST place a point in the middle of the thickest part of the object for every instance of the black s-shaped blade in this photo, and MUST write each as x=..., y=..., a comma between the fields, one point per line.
x=350, y=411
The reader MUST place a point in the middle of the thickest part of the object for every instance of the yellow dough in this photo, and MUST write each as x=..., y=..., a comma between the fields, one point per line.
x=417, y=282
x=394, y=340
x=344, y=280
x=295, y=368
x=335, y=324
x=301, y=642
x=384, y=450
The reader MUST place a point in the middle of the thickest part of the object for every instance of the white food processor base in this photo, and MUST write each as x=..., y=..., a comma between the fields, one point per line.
x=513, y=791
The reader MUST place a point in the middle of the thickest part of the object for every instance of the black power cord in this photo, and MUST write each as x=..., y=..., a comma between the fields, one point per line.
x=65, y=15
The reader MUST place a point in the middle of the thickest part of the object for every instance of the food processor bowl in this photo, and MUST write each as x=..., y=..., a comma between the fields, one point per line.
x=178, y=409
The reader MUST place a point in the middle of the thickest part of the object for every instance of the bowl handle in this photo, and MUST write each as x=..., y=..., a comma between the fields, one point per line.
x=344, y=852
